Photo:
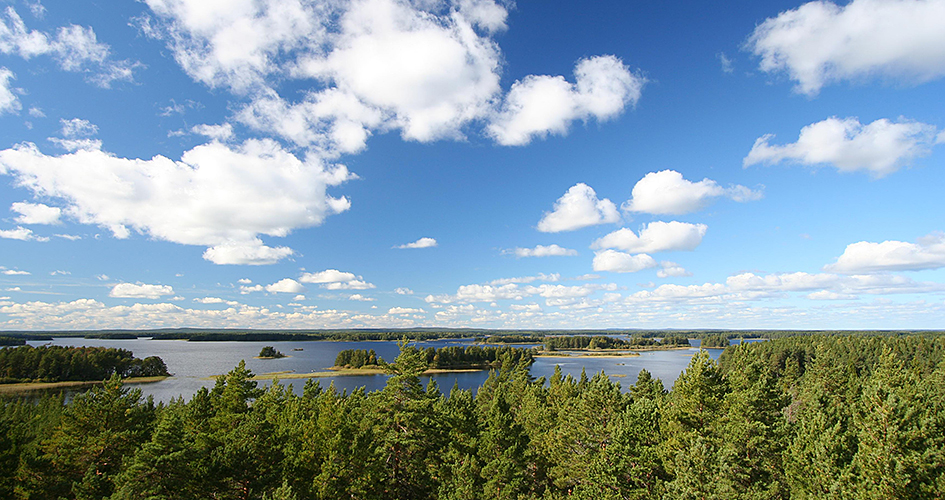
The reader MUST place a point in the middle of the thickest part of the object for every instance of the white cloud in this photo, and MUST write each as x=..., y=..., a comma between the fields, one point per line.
x=544, y=251
x=218, y=195
x=480, y=293
x=287, y=285
x=22, y=234
x=578, y=208
x=74, y=47
x=222, y=132
x=327, y=276
x=425, y=68
x=820, y=43
x=70, y=237
x=36, y=213
x=403, y=291
x=527, y=279
x=348, y=285
x=539, y=105
x=867, y=257
x=405, y=310
x=671, y=270
x=655, y=237
x=333, y=279
x=828, y=295
x=880, y=148
x=421, y=243
x=728, y=66
x=667, y=193
x=59, y=272
x=620, y=262
x=140, y=291
x=210, y=300
x=36, y=112
x=246, y=289
x=14, y=272
x=9, y=103
x=360, y=298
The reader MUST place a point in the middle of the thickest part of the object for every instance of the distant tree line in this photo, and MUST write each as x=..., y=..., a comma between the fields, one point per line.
x=803, y=417
x=514, y=339
x=6, y=341
x=602, y=342
x=59, y=364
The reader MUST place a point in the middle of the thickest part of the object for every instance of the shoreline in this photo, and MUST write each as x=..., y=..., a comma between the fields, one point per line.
x=347, y=372
x=41, y=386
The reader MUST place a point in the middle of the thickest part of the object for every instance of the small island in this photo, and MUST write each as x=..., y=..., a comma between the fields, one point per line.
x=270, y=352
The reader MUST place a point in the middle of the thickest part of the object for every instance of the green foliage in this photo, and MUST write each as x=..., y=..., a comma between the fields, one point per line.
x=800, y=417
x=270, y=352
x=57, y=363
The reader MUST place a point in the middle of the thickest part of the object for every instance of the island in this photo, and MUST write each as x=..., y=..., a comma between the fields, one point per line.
x=270, y=352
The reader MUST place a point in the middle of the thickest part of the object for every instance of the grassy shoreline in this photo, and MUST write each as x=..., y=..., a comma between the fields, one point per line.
x=40, y=386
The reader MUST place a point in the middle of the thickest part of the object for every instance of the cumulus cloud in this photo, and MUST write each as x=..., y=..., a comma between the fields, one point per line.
x=867, y=257
x=578, y=208
x=405, y=310
x=140, y=291
x=75, y=48
x=421, y=243
x=209, y=300
x=360, y=298
x=620, y=262
x=22, y=234
x=403, y=291
x=880, y=147
x=9, y=103
x=287, y=285
x=544, y=251
x=36, y=213
x=77, y=135
x=333, y=279
x=820, y=42
x=667, y=193
x=671, y=270
x=217, y=195
x=222, y=132
x=538, y=105
x=327, y=276
x=655, y=237
x=14, y=272
x=512, y=291
x=427, y=69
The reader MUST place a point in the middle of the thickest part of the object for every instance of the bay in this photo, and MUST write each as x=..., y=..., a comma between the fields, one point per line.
x=193, y=364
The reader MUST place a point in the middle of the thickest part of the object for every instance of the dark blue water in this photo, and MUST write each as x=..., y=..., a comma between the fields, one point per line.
x=193, y=363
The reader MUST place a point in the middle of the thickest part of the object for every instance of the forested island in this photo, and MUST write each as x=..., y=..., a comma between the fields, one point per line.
x=472, y=357
x=797, y=417
x=66, y=364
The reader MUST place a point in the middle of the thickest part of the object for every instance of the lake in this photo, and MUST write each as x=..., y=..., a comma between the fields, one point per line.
x=193, y=363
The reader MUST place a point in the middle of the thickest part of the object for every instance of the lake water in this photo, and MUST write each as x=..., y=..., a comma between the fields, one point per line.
x=192, y=363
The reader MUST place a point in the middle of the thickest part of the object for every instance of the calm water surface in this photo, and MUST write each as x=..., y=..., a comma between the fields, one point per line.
x=192, y=363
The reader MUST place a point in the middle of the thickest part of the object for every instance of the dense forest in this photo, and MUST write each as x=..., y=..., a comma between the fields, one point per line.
x=801, y=417
x=445, y=358
x=59, y=364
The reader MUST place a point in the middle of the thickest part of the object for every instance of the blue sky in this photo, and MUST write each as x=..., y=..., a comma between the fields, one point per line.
x=554, y=164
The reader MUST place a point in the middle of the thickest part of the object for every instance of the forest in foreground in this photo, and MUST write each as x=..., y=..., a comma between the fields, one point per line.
x=797, y=417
